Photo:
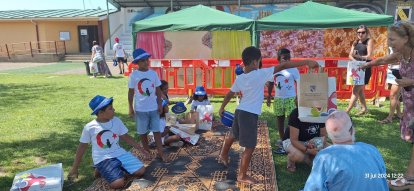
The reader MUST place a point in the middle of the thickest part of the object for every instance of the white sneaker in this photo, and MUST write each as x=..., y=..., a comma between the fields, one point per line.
x=177, y=144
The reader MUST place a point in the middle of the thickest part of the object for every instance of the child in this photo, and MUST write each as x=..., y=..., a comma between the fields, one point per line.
x=119, y=55
x=144, y=90
x=251, y=85
x=285, y=94
x=166, y=137
x=104, y=133
x=199, y=98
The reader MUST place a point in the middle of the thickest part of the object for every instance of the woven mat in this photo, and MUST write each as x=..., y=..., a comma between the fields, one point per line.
x=198, y=167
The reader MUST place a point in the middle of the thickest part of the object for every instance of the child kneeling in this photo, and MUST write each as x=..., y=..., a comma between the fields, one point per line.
x=104, y=133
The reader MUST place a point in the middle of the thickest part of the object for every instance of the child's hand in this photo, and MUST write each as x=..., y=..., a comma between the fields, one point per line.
x=131, y=113
x=73, y=174
x=221, y=112
x=268, y=101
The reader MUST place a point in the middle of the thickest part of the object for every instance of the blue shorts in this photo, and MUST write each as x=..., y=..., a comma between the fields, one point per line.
x=147, y=121
x=113, y=169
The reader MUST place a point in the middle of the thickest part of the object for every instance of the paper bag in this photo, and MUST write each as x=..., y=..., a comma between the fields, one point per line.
x=192, y=139
x=188, y=128
x=170, y=119
x=354, y=75
x=205, y=113
x=313, y=97
x=191, y=117
x=48, y=178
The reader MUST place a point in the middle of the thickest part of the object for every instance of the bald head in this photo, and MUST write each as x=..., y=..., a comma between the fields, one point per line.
x=338, y=127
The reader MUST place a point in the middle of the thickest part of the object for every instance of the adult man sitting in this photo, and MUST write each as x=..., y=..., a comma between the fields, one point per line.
x=346, y=165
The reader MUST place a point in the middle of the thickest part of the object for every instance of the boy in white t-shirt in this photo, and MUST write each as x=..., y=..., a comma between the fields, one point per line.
x=119, y=55
x=145, y=93
x=285, y=94
x=251, y=84
x=104, y=133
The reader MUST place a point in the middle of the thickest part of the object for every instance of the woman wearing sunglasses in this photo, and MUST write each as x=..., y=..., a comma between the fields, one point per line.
x=401, y=40
x=361, y=50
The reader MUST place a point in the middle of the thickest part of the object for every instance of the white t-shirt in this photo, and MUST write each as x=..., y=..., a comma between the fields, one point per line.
x=196, y=103
x=119, y=50
x=104, y=138
x=251, y=85
x=144, y=85
x=285, y=83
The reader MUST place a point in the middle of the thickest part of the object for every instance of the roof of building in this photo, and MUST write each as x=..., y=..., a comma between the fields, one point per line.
x=184, y=3
x=53, y=14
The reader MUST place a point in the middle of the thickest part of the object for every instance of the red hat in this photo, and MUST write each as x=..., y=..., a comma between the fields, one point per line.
x=116, y=39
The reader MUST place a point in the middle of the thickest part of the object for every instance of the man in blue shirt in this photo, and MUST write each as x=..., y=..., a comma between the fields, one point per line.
x=346, y=165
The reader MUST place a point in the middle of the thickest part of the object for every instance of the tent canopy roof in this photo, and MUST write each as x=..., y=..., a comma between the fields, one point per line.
x=311, y=15
x=196, y=18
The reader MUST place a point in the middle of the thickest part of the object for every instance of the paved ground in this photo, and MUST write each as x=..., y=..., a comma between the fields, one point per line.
x=76, y=68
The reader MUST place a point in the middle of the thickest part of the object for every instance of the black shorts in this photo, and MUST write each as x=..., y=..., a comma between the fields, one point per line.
x=245, y=128
x=121, y=60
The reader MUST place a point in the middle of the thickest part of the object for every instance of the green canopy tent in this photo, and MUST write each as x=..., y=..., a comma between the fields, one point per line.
x=311, y=15
x=196, y=18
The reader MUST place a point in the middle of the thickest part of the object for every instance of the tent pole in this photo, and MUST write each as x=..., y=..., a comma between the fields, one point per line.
x=109, y=27
x=238, y=9
x=172, y=10
x=386, y=7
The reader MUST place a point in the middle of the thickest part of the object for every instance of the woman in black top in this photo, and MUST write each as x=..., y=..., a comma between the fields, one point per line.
x=361, y=50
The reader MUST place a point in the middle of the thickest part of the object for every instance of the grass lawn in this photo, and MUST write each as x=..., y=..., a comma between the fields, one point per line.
x=42, y=116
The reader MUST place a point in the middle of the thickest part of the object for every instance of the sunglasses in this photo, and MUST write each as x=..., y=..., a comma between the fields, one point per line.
x=362, y=32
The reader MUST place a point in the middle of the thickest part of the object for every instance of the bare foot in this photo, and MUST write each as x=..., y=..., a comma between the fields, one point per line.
x=224, y=160
x=246, y=180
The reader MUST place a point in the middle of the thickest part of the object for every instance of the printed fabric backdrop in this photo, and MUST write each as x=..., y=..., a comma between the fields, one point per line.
x=302, y=43
x=187, y=45
x=318, y=43
x=338, y=41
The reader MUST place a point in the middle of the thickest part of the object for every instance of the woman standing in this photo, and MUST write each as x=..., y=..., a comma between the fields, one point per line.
x=401, y=40
x=102, y=66
x=361, y=50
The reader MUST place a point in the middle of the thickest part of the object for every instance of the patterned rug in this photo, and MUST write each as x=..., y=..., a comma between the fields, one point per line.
x=199, y=168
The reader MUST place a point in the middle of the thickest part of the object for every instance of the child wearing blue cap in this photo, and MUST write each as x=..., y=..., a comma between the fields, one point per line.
x=144, y=100
x=199, y=98
x=251, y=84
x=104, y=133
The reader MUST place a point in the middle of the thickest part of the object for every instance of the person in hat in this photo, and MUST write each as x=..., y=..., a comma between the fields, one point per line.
x=144, y=100
x=119, y=55
x=285, y=94
x=346, y=165
x=111, y=161
x=251, y=84
x=199, y=98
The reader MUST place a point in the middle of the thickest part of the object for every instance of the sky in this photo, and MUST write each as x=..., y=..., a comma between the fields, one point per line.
x=52, y=4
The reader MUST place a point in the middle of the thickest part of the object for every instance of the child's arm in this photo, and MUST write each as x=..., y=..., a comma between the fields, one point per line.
x=128, y=139
x=269, y=95
x=226, y=100
x=130, y=101
x=291, y=64
x=79, y=153
x=159, y=100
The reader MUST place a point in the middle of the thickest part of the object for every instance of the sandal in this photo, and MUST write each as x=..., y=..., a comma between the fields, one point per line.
x=402, y=183
x=362, y=112
x=386, y=120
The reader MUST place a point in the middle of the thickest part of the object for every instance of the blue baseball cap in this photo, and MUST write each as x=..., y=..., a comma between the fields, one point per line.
x=140, y=54
x=200, y=91
x=99, y=102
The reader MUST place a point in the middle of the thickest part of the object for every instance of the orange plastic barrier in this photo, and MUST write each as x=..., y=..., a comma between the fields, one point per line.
x=217, y=76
